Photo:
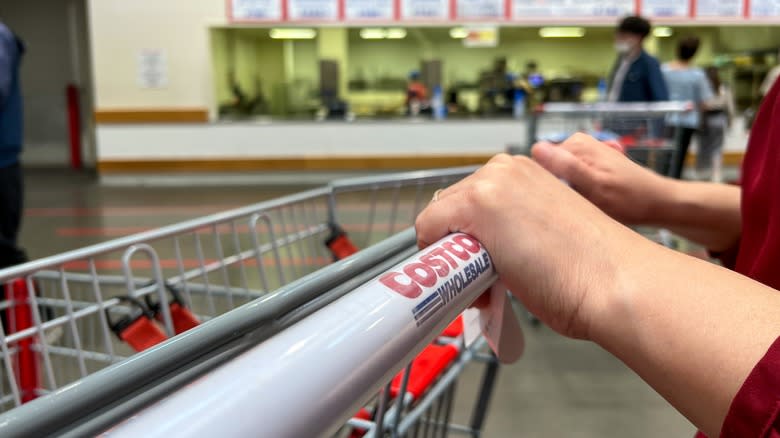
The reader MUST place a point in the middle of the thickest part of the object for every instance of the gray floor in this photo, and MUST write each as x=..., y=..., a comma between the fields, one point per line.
x=560, y=388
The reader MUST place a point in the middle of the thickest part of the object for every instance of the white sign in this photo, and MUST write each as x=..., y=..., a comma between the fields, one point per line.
x=719, y=8
x=480, y=9
x=481, y=36
x=425, y=9
x=256, y=10
x=571, y=8
x=313, y=10
x=666, y=8
x=369, y=10
x=152, y=68
x=764, y=8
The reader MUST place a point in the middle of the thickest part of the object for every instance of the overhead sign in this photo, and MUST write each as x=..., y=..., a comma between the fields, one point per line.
x=362, y=10
x=494, y=11
x=764, y=8
x=719, y=8
x=480, y=9
x=427, y=10
x=666, y=8
x=313, y=10
x=256, y=10
x=531, y=9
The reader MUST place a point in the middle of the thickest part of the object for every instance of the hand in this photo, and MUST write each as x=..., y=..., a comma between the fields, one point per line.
x=623, y=189
x=555, y=251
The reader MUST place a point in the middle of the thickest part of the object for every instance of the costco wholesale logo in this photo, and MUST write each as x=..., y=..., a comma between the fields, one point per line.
x=456, y=253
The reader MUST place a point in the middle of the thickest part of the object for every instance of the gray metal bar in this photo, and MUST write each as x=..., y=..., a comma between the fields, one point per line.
x=436, y=391
x=49, y=414
x=156, y=234
x=485, y=393
x=632, y=108
x=96, y=422
x=361, y=183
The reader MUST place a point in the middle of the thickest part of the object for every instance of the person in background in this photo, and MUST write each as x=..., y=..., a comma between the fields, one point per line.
x=686, y=83
x=416, y=94
x=636, y=76
x=716, y=118
x=11, y=131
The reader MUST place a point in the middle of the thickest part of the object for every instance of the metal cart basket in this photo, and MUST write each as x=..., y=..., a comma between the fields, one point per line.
x=639, y=127
x=92, y=336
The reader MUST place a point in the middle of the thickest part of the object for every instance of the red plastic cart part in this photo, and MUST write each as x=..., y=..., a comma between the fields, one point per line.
x=362, y=414
x=426, y=368
x=142, y=333
x=20, y=313
x=455, y=328
x=181, y=316
x=339, y=244
x=627, y=141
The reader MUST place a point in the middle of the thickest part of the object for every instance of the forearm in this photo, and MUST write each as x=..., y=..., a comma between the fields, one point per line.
x=691, y=329
x=706, y=213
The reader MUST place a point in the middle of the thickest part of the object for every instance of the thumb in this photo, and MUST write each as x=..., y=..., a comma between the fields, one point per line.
x=560, y=162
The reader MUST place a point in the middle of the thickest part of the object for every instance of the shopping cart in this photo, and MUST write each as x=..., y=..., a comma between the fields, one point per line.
x=638, y=127
x=87, y=337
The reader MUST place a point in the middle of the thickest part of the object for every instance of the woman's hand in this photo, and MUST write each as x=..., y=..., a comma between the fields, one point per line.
x=623, y=189
x=555, y=251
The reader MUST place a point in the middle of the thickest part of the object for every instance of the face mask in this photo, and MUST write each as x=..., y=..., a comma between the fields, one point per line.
x=622, y=47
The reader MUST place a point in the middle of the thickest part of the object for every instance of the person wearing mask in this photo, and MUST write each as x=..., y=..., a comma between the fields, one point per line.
x=686, y=83
x=716, y=119
x=11, y=130
x=636, y=76
x=705, y=337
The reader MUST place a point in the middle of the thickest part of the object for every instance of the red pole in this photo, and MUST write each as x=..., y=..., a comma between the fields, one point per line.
x=19, y=317
x=74, y=125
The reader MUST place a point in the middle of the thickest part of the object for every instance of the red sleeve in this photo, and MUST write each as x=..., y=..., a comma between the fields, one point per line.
x=728, y=257
x=755, y=410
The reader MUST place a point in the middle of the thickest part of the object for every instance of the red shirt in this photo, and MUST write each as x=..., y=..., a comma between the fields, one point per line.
x=755, y=410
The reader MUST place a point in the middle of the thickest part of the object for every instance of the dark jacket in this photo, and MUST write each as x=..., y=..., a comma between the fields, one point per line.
x=644, y=81
x=11, y=126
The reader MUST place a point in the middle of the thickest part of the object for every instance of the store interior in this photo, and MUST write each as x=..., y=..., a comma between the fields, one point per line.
x=307, y=73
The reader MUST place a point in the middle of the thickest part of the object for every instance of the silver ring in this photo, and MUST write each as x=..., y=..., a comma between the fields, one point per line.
x=436, y=195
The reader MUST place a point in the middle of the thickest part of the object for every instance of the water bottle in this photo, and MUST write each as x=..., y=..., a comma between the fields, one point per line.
x=518, y=107
x=437, y=102
x=602, y=90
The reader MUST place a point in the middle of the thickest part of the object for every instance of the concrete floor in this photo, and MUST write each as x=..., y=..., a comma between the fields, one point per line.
x=560, y=388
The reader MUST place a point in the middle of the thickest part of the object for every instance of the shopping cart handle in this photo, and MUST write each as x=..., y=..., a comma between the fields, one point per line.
x=309, y=379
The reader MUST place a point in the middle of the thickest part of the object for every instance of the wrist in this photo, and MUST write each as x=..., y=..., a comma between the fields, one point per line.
x=611, y=313
x=664, y=196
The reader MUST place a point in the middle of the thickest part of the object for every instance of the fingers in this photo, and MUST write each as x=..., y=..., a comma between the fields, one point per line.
x=615, y=145
x=441, y=217
x=560, y=162
x=450, y=211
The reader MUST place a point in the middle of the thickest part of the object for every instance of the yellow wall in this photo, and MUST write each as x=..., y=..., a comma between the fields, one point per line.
x=556, y=57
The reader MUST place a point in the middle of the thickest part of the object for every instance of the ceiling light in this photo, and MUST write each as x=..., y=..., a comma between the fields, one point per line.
x=396, y=33
x=662, y=32
x=458, y=33
x=562, y=32
x=373, y=34
x=293, y=34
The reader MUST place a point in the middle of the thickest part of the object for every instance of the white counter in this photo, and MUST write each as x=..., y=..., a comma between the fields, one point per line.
x=281, y=140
